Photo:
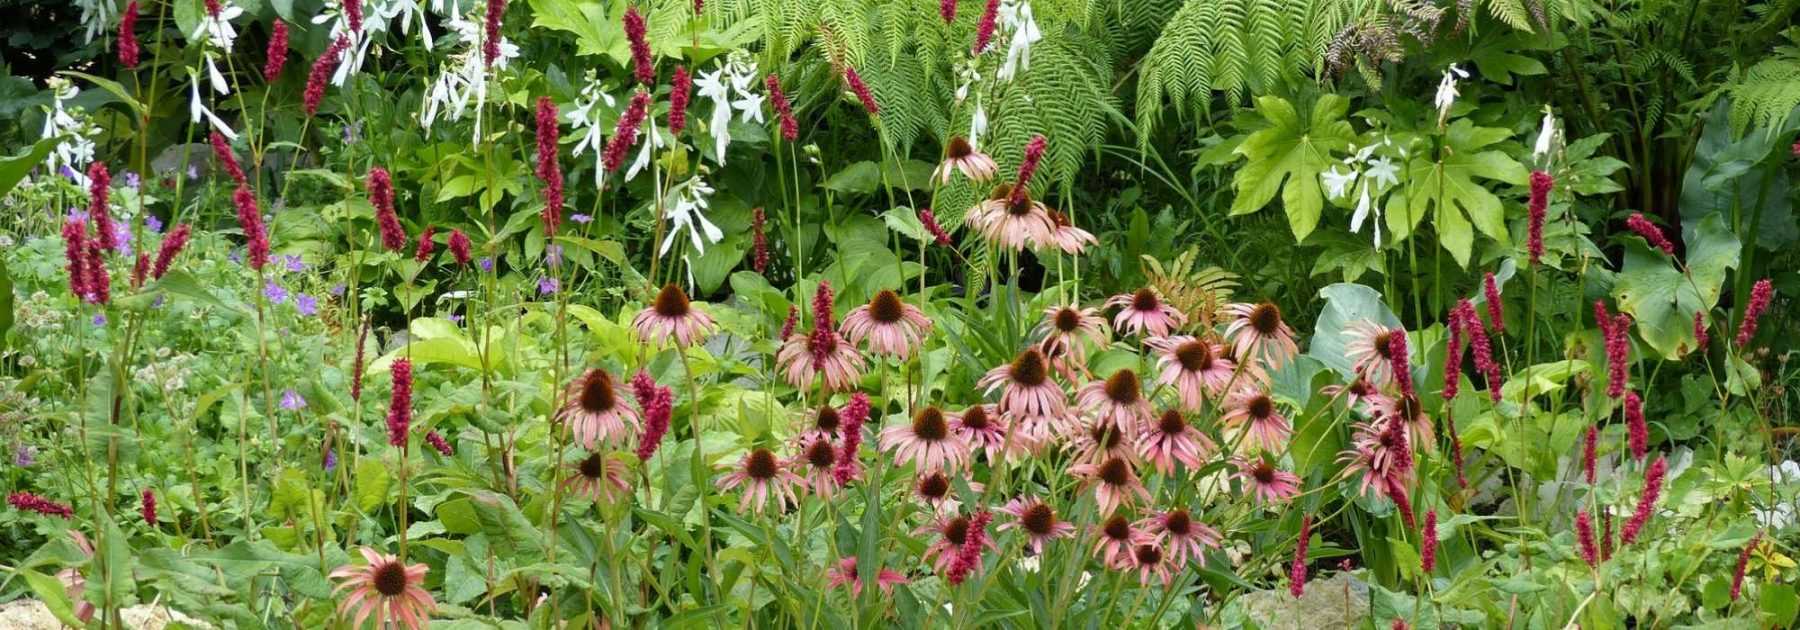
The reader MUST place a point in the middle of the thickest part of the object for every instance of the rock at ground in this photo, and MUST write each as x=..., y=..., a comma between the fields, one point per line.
x=1340, y=601
x=31, y=614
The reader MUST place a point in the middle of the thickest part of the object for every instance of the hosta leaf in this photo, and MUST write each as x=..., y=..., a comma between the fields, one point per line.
x=1287, y=155
x=1346, y=304
x=1662, y=299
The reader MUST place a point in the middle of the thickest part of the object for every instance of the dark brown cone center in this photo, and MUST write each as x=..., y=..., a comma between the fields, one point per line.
x=597, y=393
x=671, y=302
x=1106, y=435
x=1261, y=407
x=1171, y=422
x=1028, y=369
x=1117, y=528
x=934, y=486
x=1263, y=473
x=1038, y=519
x=1148, y=555
x=1145, y=300
x=929, y=425
x=1381, y=345
x=821, y=454
x=957, y=531
x=1122, y=387
x=593, y=467
x=1195, y=356
x=1115, y=472
x=1178, y=523
x=1266, y=318
x=975, y=418
x=761, y=464
x=958, y=149
x=1067, y=320
x=390, y=579
x=886, y=307
x=826, y=420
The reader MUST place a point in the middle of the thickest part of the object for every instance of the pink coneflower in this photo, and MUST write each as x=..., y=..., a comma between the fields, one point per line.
x=968, y=556
x=386, y=589
x=984, y=429
x=1541, y=183
x=426, y=246
x=1759, y=302
x=1115, y=483
x=439, y=444
x=28, y=502
x=816, y=461
x=1171, y=439
x=1257, y=331
x=784, y=110
x=1584, y=538
x=1254, y=411
x=1150, y=562
x=825, y=423
x=1065, y=236
x=1381, y=451
x=1114, y=540
x=855, y=412
x=927, y=442
x=933, y=489
x=147, y=506
x=1265, y=482
x=672, y=317
x=889, y=325
x=1411, y=412
x=681, y=87
x=947, y=10
x=490, y=47
x=256, y=246
x=844, y=572
x=1297, y=568
x=1490, y=293
x=1029, y=392
x=960, y=156
x=548, y=170
x=1072, y=330
x=1653, y=480
x=1185, y=537
x=459, y=246
x=762, y=476
x=1354, y=393
x=641, y=65
x=929, y=220
x=595, y=411
x=227, y=160
x=399, y=418
x=276, y=53
x=321, y=73
x=74, y=234
x=128, y=43
x=1743, y=561
x=625, y=134
x=1652, y=234
x=598, y=478
x=1636, y=432
x=1700, y=338
x=1428, y=542
x=953, y=534
x=1590, y=447
x=1464, y=316
x=855, y=82
x=1098, y=440
x=1117, y=400
x=658, y=404
x=100, y=207
x=1037, y=520
x=1143, y=312
x=984, y=31
x=1028, y=166
x=381, y=195
x=1011, y=225
x=353, y=14
x=822, y=352
x=1370, y=351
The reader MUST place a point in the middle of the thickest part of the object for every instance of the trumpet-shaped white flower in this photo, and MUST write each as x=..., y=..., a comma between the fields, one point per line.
x=216, y=31
x=1336, y=183
x=465, y=78
x=1546, y=135
x=978, y=124
x=1447, y=93
x=97, y=16
x=584, y=119
x=1384, y=170
x=197, y=109
x=406, y=10
x=965, y=70
x=652, y=142
x=712, y=86
x=687, y=212
x=76, y=149
x=1022, y=31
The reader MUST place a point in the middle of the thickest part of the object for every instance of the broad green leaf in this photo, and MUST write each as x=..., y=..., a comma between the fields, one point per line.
x=1291, y=150
x=372, y=482
x=859, y=177
x=1346, y=304
x=1446, y=188
x=50, y=591
x=1779, y=603
x=113, y=87
x=14, y=168
x=595, y=32
x=1662, y=299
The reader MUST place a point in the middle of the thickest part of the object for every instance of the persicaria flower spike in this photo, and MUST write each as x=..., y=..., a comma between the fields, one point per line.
x=641, y=65
x=1453, y=357
x=1700, y=337
x=128, y=43
x=1653, y=480
x=74, y=233
x=321, y=73
x=438, y=443
x=1617, y=344
x=1490, y=293
x=1456, y=453
x=99, y=282
x=1759, y=302
x=1539, y=206
x=213, y=8
x=1398, y=355
x=147, y=502
x=1635, y=430
x=861, y=90
x=426, y=246
x=1590, y=454
x=968, y=556
x=171, y=245
x=1478, y=344
x=1428, y=542
x=929, y=220
x=657, y=403
x=984, y=31
x=356, y=366
x=680, y=88
x=760, y=241
x=28, y=502
x=399, y=418
x=250, y=221
x=100, y=206
x=459, y=246
x=793, y=319
x=227, y=160
x=1297, y=570
x=1651, y=233
x=490, y=48
x=852, y=416
x=381, y=195
x=547, y=168
x=1034, y=155
x=1584, y=538
x=140, y=269
x=1743, y=562
x=353, y=14
x=625, y=135
x=276, y=54
x=790, y=128
x=947, y=10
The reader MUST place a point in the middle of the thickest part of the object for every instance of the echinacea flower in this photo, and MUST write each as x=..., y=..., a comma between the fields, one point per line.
x=1195, y=367
x=817, y=460
x=1115, y=483
x=1368, y=351
x=960, y=157
x=762, y=476
x=935, y=491
x=1072, y=330
x=968, y=556
x=598, y=478
x=1253, y=411
x=1409, y=410
x=672, y=317
x=954, y=532
x=385, y=589
x=1029, y=392
x=984, y=429
x=595, y=410
x=1265, y=482
x=1038, y=520
x=824, y=425
x=1118, y=400
x=1098, y=440
x=889, y=325
x=1257, y=331
x=1114, y=540
x=1381, y=451
x=1143, y=312
x=822, y=352
x=1150, y=561
x=1171, y=439
x=845, y=573
x=927, y=442
x=1014, y=225
x=1185, y=537
x=1063, y=235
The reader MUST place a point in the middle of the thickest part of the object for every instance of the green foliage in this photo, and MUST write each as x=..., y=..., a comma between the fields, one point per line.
x=1286, y=154
x=1444, y=186
x=1232, y=46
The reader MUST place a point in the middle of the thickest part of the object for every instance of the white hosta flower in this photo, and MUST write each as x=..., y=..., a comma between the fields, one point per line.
x=585, y=120
x=652, y=142
x=965, y=70
x=216, y=30
x=465, y=78
x=97, y=16
x=1546, y=135
x=406, y=10
x=197, y=109
x=1383, y=170
x=1364, y=207
x=689, y=202
x=978, y=124
x=1446, y=92
x=711, y=87
x=76, y=149
x=1022, y=31
x=1338, y=184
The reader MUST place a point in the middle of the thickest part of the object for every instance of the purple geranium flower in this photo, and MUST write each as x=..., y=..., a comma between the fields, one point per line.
x=275, y=293
x=291, y=401
x=307, y=305
x=548, y=285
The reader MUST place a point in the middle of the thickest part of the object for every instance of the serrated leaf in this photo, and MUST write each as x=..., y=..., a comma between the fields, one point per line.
x=1287, y=155
x=1445, y=188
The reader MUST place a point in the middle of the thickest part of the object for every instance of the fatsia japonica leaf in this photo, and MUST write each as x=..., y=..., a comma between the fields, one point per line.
x=1662, y=299
x=1445, y=185
x=1287, y=154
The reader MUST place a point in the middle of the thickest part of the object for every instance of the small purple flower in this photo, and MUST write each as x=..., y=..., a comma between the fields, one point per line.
x=76, y=214
x=132, y=180
x=99, y=319
x=236, y=257
x=307, y=305
x=275, y=293
x=122, y=236
x=337, y=290
x=487, y=264
x=330, y=460
x=548, y=285
x=159, y=301
x=24, y=456
x=581, y=218
x=291, y=401
x=456, y=319
x=69, y=173
x=193, y=171
x=352, y=132
x=153, y=224
x=295, y=264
